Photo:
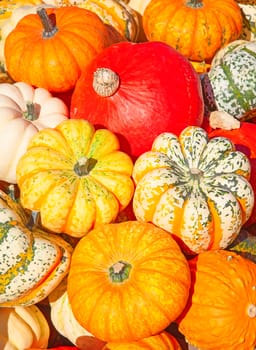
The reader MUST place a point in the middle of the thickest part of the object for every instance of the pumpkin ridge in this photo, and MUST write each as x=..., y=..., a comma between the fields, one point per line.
x=129, y=294
x=171, y=22
x=155, y=303
x=207, y=270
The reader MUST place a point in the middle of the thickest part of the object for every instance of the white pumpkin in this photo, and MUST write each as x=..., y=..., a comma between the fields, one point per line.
x=24, y=110
x=22, y=328
x=62, y=316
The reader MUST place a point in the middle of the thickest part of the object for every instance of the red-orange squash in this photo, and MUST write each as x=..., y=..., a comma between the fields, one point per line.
x=221, y=311
x=157, y=90
x=55, y=46
x=127, y=281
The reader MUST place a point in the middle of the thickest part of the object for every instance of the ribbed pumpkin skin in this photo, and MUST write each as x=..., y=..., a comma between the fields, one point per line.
x=161, y=341
x=75, y=176
x=223, y=292
x=158, y=91
x=244, y=140
x=113, y=12
x=117, y=302
x=197, y=29
x=55, y=63
x=195, y=188
x=32, y=263
x=233, y=78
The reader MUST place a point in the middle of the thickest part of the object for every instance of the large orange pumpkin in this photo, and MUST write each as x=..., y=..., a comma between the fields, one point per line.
x=127, y=281
x=221, y=311
x=161, y=341
x=55, y=46
x=196, y=28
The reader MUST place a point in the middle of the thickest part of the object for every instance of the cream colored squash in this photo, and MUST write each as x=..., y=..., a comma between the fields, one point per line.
x=195, y=188
x=24, y=110
x=139, y=5
x=22, y=328
x=65, y=323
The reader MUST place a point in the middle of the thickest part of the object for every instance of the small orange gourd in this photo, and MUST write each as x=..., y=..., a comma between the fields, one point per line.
x=196, y=28
x=127, y=281
x=222, y=298
x=55, y=45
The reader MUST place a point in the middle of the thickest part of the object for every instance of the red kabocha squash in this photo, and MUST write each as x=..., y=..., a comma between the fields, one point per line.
x=157, y=90
x=221, y=311
x=244, y=139
x=127, y=281
x=55, y=45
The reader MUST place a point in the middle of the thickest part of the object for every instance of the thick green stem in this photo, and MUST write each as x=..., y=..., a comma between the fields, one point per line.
x=84, y=165
x=49, y=27
x=119, y=272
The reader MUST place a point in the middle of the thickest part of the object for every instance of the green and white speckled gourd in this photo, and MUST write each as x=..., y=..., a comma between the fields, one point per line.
x=248, y=8
x=195, y=188
x=32, y=263
x=230, y=85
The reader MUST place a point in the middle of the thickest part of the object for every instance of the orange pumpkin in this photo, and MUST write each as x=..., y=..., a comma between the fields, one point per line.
x=127, y=281
x=161, y=341
x=221, y=311
x=196, y=28
x=55, y=45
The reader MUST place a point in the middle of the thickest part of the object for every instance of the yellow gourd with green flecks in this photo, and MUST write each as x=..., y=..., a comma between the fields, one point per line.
x=194, y=188
x=75, y=176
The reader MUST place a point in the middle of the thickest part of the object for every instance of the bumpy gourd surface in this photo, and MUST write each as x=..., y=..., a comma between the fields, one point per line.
x=75, y=176
x=194, y=188
x=233, y=79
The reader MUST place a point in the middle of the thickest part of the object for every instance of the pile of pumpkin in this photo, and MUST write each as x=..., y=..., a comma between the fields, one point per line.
x=128, y=175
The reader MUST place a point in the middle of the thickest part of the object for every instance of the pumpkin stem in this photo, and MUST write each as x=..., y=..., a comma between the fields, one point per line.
x=33, y=220
x=105, y=82
x=119, y=272
x=251, y=311
x=50, y=29
x=84, y=165
x=195, y=3
x=30, y=113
